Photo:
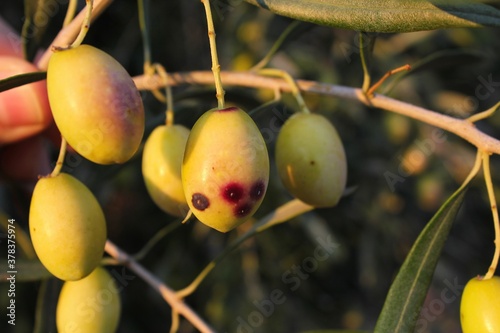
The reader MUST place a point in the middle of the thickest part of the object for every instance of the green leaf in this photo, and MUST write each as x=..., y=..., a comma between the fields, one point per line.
x=21, y=79
x=26, y=270
x=387, y=15
x=407, y=293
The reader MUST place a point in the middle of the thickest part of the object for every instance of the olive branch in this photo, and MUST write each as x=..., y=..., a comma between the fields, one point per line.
x=464, y=128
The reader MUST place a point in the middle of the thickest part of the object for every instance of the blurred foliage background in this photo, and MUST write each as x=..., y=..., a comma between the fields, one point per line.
x=373, y=228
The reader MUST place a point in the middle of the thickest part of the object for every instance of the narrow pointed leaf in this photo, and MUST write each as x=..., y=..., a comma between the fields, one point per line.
x=407, y=293
x=387, y=15
x=21, y=79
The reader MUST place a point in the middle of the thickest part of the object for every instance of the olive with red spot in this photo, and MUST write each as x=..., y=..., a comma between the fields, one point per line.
x=233, y=192
x=311, y=160
x=225, y=170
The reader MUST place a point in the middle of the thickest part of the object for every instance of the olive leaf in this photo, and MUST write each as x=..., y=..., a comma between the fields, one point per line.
x=407, y=293
x=21, y=79
x=387, y=15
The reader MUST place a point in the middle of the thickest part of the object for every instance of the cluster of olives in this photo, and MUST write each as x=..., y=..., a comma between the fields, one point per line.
x=98, y=110
x=220, y=170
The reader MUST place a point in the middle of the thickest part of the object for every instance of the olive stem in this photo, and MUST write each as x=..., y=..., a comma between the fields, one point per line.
x=149, y=70
x=143, y=11
x=474, y=170
x=291, y=82
x=377, y=84
x=155, y=239
x=166, y=292
x=60, y=158
x=364, y=64
x=85, y=25
x=267, y=58
x=281, y=214
x=219, y=90
x=70, y=12
x=494, y=211
x=460, y=127
x=175, y=321
x=484, y=114
x=67, y=34
x=168, y=93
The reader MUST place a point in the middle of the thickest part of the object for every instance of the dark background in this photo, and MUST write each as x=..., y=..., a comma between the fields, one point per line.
x=374, y=227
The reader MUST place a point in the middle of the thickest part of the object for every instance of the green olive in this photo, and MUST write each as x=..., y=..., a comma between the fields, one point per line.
x=67, y=227
x=225, y=171
x=480, y=306
x=95, y=104
x=311, y=160
x=161, y=168
x=91, y=304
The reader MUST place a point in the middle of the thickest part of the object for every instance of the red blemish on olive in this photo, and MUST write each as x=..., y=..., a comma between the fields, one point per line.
x=200, y=201
x=243, y=209
x=257, y=190
x=229, y=109
x=232, y=192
